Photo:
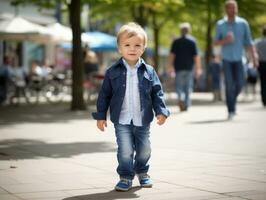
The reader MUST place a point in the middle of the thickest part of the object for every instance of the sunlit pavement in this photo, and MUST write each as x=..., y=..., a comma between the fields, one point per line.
x=50, y=153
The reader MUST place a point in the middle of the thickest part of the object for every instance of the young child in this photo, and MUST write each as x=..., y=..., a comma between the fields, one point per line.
x=133, y=91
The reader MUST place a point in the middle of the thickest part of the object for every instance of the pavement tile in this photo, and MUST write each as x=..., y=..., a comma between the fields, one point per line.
x=80, y=192
x=8, y=197
x=256, y=196
x=42, y=195
x=232, y=198
x=197, y=155
x=44, y=187
x=5, y=179
x=2, y=191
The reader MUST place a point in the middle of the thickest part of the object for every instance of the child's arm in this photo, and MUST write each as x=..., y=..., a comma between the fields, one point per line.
x=103, y=103
x=158, y=102
x=101, y=124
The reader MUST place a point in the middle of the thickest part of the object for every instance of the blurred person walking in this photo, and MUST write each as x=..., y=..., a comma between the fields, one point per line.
x=215, y=70
x=36, y=76
x=260, y=44
x=233, y=34
x=19, y=79
x=4, y=78
x=182, y=58
x=91, y=63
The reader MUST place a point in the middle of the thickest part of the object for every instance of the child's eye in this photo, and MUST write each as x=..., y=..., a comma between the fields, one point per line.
x=138, y=45
x=126, y=45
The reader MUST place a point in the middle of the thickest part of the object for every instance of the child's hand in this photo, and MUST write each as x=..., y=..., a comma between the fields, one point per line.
x=101, y=124
x=160, y=119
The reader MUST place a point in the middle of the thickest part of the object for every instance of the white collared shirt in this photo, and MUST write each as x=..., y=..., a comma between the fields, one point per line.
x=131, y=105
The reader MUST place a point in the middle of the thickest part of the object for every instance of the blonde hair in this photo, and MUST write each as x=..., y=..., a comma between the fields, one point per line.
x=132, y=29
x=227, y=2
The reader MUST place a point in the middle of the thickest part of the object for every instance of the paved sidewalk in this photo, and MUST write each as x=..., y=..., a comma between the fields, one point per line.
x=50, y=153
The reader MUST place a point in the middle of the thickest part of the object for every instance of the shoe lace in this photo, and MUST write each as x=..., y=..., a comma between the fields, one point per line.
x=125, y=181
x=143, y=176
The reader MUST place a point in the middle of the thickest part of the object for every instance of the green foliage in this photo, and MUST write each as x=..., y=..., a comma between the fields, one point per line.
x=165, y=15
x=255, y=12
x=40, y=3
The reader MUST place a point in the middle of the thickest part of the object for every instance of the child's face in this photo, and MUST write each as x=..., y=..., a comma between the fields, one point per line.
x=131, y=48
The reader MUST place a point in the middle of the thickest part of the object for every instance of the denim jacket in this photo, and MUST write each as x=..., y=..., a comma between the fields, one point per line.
x=113, y=89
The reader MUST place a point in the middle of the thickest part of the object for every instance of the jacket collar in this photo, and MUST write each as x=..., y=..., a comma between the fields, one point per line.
x=120, y=63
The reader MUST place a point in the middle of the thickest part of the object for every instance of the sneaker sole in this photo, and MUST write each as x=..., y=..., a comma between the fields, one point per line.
x=146, y=186
x=122, y=189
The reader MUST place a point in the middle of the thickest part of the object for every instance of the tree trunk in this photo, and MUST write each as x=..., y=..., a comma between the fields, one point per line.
x=77, y=59
x=208, y=45
x=208, y=34
x=156, y=48
x=156, y=31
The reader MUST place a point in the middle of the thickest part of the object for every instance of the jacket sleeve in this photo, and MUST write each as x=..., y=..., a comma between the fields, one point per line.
x=104, y=98
x=157, y=96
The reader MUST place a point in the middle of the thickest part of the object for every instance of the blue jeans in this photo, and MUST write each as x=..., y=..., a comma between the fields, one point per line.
x=184, y=86
x=134, y=149
x=234, y=81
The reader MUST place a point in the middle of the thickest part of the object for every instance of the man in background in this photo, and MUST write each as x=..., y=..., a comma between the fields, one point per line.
x=182, y=58
x=261, y=49
x=233, y=35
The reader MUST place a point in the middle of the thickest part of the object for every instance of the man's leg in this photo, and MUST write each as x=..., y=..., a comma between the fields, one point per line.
x=180, y=90
x=229, y=86
x=188, y=87
x=262, y=72
x=238, y=77
x=178, y=86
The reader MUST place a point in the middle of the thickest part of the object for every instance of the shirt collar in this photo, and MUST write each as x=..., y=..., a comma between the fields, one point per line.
x=121, y=63
x=236, y=19
x=137, y=65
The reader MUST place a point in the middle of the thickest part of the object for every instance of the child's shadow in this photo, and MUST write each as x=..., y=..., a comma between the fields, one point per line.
x=110, y=195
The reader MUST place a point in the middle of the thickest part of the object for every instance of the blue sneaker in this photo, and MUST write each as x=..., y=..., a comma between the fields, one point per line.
x=123, y=185
x=145, y=180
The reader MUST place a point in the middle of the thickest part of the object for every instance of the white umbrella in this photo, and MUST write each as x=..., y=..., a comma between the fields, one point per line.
x=61, y=33
x=18, y=28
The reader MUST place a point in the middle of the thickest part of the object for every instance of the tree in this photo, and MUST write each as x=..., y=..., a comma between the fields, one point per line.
x=77, y=60
x=77, y=57
x=151, y=14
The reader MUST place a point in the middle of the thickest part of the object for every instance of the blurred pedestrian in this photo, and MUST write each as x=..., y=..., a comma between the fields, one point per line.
x=19, y=79
x=47, y=70
x=182, y=58
x=133, y=91
x=36, y=76
x=233, y=34
x=91, y=64
x=215, y=70
x=251, y=78
x=261, y=49
x=4, y=78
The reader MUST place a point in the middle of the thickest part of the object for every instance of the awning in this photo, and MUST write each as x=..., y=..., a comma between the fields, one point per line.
x=98, y=42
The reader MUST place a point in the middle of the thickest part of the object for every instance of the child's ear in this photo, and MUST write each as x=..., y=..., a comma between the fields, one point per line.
x=119, y=51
